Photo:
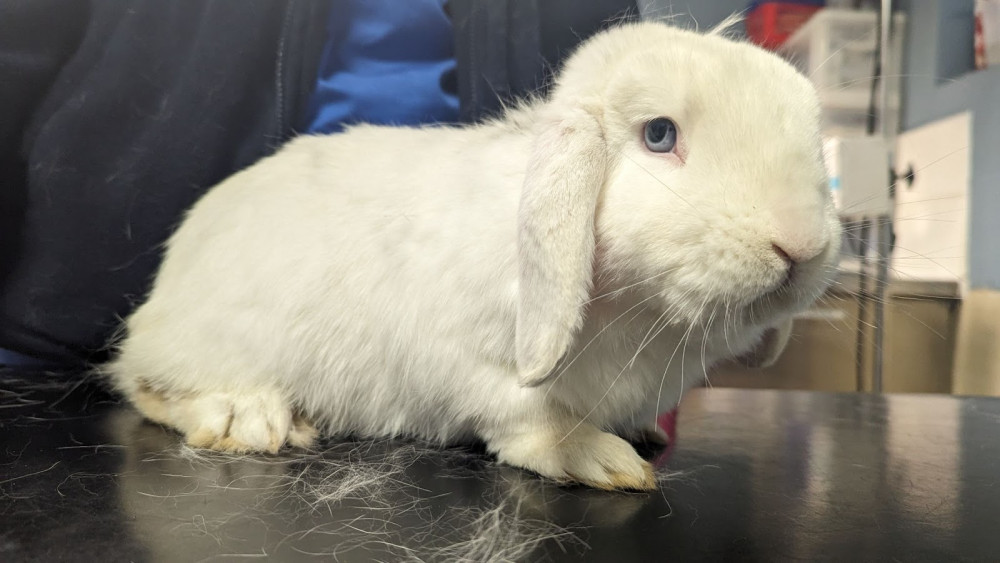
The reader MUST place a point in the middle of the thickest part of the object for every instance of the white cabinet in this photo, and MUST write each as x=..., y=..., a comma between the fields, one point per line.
x=932, y=214
x=836, y=50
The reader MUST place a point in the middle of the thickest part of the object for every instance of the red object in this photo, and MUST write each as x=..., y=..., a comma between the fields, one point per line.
x=668, y=422
x=979, y=42
x=769, y=24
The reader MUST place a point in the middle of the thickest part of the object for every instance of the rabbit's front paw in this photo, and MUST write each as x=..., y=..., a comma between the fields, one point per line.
x=586, y=455
x=238, y=422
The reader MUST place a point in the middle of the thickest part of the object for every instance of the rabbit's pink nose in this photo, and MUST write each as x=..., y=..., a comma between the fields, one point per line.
x=793, y=253
x=783, y=254
x=789, y=263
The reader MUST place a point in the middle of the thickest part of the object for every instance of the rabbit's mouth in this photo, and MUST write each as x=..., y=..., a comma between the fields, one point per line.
x=784, y=288
x=799, y=284
x=795, y=292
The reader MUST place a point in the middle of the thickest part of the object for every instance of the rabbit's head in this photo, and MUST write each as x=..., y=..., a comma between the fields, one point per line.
x=680, y=167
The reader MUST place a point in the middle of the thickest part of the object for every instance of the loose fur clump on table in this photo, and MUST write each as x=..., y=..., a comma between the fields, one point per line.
x=347, y=499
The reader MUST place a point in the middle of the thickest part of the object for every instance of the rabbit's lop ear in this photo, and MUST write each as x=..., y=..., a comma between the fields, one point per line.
x=769, y=348
x=556, y=239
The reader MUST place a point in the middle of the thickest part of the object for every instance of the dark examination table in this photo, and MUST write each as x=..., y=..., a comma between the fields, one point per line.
x=753, y=476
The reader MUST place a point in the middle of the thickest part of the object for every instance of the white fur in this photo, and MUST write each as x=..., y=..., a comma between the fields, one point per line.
x=534, y=282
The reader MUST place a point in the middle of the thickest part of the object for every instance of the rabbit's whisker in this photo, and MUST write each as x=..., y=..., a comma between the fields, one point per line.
x=659, y=181
x=563, y=369
x=666, y=369
x=619, y=291
x=687, y=337
x=607, y=392
x=704, y=342
x=655, y=331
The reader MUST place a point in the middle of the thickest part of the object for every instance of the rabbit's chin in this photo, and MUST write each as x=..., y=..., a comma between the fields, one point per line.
x=729, y=311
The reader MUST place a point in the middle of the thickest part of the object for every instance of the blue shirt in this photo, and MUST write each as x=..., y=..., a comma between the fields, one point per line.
x=384, y=62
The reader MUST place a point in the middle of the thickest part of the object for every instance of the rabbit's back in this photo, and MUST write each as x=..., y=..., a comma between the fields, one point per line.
x=341, y=267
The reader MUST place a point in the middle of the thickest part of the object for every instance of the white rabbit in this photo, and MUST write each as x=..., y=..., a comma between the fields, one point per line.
x=541, y=282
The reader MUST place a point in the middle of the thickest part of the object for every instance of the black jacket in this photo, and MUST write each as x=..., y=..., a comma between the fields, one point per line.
x=116, y=115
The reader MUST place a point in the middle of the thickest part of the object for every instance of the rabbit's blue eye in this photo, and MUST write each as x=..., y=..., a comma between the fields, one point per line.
x=661, y=135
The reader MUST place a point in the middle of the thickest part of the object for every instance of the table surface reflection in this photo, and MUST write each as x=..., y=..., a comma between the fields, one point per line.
x=753, y=475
